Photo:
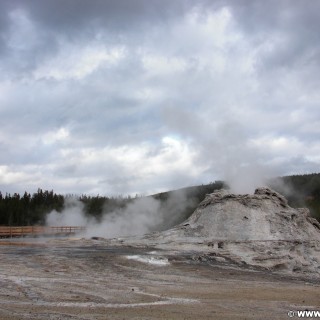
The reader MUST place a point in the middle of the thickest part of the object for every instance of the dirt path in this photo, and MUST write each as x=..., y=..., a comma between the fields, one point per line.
x=55, y=280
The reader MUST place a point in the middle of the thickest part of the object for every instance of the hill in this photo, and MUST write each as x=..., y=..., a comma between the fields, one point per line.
x=300, y=190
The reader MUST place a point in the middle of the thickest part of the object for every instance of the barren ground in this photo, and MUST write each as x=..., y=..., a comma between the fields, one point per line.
x=82, y=279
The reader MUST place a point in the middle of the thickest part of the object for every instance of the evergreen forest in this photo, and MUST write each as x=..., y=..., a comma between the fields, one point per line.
x=32, y=209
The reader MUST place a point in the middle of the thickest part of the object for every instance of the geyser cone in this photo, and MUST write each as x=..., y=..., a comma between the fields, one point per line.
x=259, y=230
x=265, y=215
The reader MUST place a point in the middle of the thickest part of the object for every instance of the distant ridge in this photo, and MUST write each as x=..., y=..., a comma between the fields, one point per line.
x=31, y=209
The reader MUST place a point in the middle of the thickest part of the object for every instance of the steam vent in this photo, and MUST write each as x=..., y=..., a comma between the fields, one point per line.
x=259, y=230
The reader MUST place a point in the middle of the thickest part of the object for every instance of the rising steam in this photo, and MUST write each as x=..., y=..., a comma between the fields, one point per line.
x=140, y=216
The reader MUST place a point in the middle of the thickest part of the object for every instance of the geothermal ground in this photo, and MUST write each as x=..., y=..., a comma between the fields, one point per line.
x=237, y=256
x=90, y=279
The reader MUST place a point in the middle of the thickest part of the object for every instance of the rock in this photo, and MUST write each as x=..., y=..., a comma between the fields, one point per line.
x=263, y=216
x=259, y=230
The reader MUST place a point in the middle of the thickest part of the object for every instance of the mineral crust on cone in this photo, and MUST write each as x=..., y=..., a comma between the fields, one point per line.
x=264, y=216
x=259, y=230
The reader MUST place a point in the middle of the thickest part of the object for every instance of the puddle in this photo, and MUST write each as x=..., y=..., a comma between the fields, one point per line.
x=154, y=260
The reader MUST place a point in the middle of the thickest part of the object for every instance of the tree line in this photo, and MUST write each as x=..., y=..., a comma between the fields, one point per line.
x=28, y=210
x=32, y=209
x=301, y=191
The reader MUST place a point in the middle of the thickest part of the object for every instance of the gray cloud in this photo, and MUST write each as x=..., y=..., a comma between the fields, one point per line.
x=142, y=96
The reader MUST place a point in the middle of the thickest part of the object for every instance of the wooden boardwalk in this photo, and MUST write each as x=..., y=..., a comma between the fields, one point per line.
x=36, y=231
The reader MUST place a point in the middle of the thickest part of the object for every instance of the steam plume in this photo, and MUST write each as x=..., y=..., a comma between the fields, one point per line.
x=140, y=216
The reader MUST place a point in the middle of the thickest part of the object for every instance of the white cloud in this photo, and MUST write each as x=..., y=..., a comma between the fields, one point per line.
x=279, y=145
x=150, y=97
x=76, y=62
x=145, y=163
x=52, y=137
x=11, y=175
x=160, y=65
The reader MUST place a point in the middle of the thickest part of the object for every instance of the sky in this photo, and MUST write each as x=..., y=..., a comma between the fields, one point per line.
x=132, y=97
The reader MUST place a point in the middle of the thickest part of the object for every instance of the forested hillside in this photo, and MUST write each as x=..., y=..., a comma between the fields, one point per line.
x=27, y=209
x=16, y=210
x=301, y=191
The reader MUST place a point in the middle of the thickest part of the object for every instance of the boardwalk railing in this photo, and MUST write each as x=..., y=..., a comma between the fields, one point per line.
x=34, y=231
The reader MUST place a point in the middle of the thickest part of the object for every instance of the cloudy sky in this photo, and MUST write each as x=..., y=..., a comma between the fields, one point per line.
x=141, y=96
